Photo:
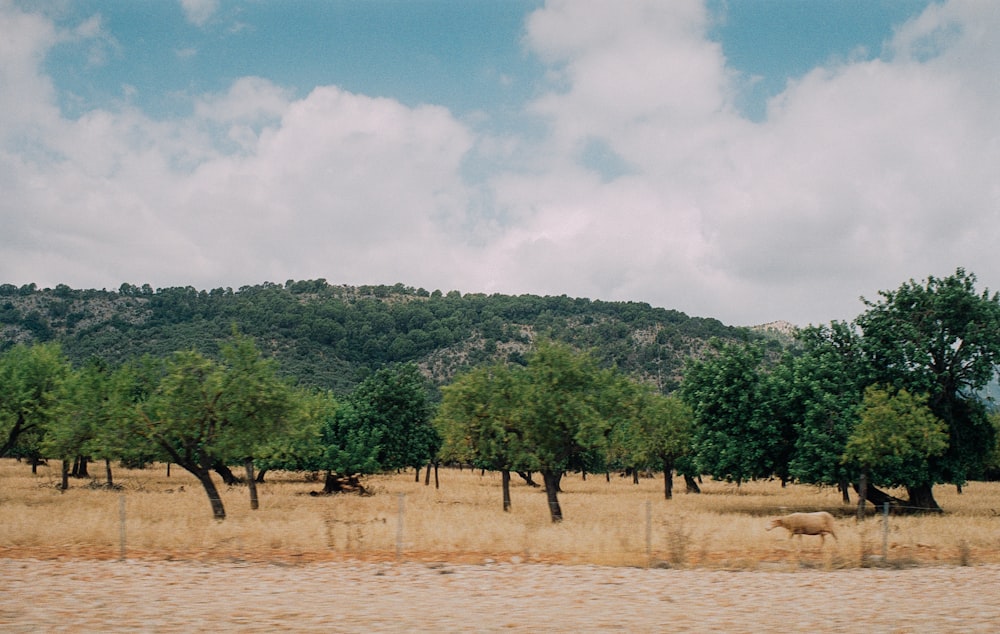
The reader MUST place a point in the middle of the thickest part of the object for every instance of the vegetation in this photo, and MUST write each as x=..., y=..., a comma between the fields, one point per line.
x=889, y=400
x=894, y=396
x=332, y=337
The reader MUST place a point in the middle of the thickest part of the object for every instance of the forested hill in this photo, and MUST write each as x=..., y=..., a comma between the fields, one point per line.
x=331, y=336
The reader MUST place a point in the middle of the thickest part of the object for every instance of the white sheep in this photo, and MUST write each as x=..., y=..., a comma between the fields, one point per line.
x=819, y=523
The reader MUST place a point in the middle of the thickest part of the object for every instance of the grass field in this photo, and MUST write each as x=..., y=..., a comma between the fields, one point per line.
x=608, y=523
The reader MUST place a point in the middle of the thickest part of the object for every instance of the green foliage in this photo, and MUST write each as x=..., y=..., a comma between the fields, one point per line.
x=389, y=410
x=896, y=438
x=735, y=435
x=940, y=338
x=31, y=377
x=203, y=413
x=563, y=408
x=820, y=391
x=660, y=431
x=333, y=336
x=479, y=419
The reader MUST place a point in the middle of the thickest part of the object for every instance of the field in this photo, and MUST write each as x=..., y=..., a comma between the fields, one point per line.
x=614, y=523
x=415, y=558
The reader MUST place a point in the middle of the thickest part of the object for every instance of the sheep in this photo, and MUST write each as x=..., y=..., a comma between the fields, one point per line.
x=819, y=523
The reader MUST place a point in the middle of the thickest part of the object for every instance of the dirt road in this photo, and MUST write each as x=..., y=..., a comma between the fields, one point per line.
x=188, y=596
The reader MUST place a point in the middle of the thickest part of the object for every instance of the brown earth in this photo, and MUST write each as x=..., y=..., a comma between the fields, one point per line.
x=41, y=591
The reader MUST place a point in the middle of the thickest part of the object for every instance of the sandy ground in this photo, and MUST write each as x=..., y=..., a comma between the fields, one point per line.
x=189, y=596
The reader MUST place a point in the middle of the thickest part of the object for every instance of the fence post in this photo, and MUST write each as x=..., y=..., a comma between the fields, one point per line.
x=885, y=532
x=121, y=527
x=649, y=533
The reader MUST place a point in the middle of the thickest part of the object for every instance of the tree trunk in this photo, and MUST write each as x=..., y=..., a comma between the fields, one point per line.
x=225, y=473
x=260, y=475
x=505, y=480
x=922, y=498
x=668, y=478
x=691, y=486
x=251, y=484
x=107, y=473
x=635, y=476
x=168, y=469
x=862, y=494
x=526, y=476
x=427, y=475
x=205, y=477
x=80, y=467
x=437, y=483
x=330, y=484
x=417, y=476
x=551, y=479
x=878, y=497
x=607, y=476
x=844, y=491
x=15, y=431
x=64, y=483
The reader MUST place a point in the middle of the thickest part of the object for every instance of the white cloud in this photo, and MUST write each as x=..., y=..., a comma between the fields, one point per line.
x=863, y=174
x=199, y=12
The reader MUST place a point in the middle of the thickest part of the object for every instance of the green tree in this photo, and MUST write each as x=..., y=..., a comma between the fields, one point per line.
x=735, y=435
x=204, y=413
x=384, y=424
x=351, y=446
x=479, y=421
x=895, y=440
x=393, y=403
x=301, y=446
x=940, y=338
x=820, y=392
x=563, y=412
x=658, y=433
x=30, y=380
x=83, y=409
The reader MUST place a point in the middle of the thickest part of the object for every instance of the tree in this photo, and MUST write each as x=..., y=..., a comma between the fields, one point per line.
x=203, y=413
x=301, y=447
x=895, y=440
x=940, y=338
x=562, y=412
x=479, y=422
x=735, y=435
x=384, y=424
x=82, y=409
x=350, y=447
x=820, y=391
x=30, y=379
x=393, y=402
x=658, y=432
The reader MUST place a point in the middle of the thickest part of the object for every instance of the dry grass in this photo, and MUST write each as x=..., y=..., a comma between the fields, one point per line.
x=606, y=523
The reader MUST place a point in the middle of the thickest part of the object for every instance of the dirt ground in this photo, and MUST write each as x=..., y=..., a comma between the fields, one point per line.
x=352, y=596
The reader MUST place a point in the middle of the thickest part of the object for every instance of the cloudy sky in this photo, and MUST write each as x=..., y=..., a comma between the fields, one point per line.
x=749, y=161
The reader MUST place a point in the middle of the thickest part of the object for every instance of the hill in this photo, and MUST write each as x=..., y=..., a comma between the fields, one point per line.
x=333, y=335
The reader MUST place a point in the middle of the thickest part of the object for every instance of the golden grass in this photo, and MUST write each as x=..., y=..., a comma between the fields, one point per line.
x=610, y=523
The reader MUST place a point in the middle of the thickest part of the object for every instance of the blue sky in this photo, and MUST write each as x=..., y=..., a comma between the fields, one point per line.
x=751, y=161
x=466, y=56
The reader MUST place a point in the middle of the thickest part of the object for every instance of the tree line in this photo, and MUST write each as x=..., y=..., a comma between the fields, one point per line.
x=333, y=336
x=891, y=399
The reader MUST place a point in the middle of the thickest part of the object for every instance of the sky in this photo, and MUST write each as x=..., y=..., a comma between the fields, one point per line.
x=747, y=161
